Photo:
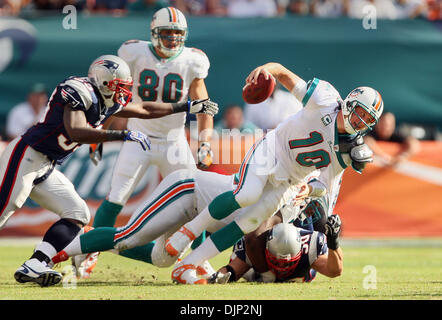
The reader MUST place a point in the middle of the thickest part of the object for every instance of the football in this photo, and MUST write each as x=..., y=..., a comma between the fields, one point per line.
x=260, y=91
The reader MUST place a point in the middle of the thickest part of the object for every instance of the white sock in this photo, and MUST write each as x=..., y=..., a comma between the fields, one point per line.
x=200, y=222
x=47, y=248
x=73, y=248
x=205, y=251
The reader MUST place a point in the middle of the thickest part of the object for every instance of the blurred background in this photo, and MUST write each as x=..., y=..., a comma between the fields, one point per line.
x=394, y=46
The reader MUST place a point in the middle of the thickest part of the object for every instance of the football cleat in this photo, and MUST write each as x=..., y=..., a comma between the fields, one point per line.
x=178, y=242
x=38, y=272
x=205, y=270
x=186, y=274
x=84, y=264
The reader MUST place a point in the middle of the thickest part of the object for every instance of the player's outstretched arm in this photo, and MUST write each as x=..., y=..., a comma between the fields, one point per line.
x=286, y=77
x=79, y=131
x=150, y=110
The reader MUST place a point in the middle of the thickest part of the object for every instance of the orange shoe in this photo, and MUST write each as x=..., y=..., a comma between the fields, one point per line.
x=178, y=242
x=85, y=263
x=186, y=274
x=205, y=270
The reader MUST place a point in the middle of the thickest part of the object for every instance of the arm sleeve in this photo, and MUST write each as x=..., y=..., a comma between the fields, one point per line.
x=300, y=90
x=320, y=93
x=126, y=52
x=201, y=64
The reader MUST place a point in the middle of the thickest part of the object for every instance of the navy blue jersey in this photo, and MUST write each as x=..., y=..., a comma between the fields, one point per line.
x=49, y=136
x=314, y=244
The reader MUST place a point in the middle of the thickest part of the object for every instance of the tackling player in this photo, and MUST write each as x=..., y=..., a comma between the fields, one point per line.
x=279, y=252
x=304, y=142
x=176, y=200
x=75, y=111
x=163, y=70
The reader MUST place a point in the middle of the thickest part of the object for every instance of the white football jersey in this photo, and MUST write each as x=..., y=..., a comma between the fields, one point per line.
x=308, y=140
x=162, y=80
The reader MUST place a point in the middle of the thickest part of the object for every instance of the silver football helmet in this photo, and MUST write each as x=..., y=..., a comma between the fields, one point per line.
x=283, y=249
x=361, y=110
x=168, y=18
x=110, y=74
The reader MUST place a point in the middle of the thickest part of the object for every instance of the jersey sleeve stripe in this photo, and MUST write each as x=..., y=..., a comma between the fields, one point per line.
x=310, y=91
x=155, y=206
x=244, y=166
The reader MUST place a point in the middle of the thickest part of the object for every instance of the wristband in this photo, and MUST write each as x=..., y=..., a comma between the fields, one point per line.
x=180, y=107
x=232, y=273
x=113, y=135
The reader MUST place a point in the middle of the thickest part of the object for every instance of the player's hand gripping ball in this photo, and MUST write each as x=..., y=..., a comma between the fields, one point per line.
x=253, y=93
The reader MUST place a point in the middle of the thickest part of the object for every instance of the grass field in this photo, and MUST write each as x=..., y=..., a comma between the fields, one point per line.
x=399, y=273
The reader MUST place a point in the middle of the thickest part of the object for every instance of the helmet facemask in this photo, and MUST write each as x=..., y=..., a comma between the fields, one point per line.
x=361, y=110
x=111, y=74
x=121, y=94
x=168, y=30
x=169, y=41
x=360, y=119
x=282, y=266
x=283, y=249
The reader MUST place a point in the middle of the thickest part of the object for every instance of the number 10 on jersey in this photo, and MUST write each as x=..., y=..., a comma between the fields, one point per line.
x=318, y=158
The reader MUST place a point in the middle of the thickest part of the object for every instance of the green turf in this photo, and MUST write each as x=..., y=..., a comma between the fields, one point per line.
x=401, y=273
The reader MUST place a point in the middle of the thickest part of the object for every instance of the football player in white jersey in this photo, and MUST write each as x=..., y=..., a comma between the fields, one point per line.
x=176, y=200
x=164, y=70
x=316, y=137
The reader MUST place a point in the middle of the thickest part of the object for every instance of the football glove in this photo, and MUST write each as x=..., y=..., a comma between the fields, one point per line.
x=360, y=156
x=359, y=152
x=204, y=155
x=332, y=231
x=219, y=277
x=139, y=137
x=96, y=152
x=346, y=144
x=203, y=106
